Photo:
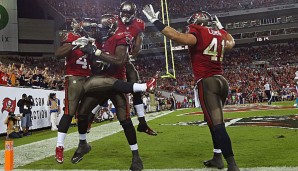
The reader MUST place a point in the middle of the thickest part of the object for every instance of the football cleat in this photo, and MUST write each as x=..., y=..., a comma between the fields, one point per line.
x=136, y=164
x=59, y=154
x=83, y=149
x=214, y=163
x=146, y=129
x=233, y=168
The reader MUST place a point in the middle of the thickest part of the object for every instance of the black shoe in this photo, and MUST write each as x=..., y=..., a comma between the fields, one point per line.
x=136, y=164
x=146, y=129
x=215, y=163
x=233, y=168
x=83, y=149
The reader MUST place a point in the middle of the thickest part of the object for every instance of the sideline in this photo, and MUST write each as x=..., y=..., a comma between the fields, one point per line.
x=39, y=150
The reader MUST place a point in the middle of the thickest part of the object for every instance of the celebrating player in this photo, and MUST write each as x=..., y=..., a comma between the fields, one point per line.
x=127, y=22
x=207, y=44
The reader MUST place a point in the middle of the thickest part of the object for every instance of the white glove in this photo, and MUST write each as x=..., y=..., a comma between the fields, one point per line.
x=82, y=41
x=150, y=14
x=217, y=23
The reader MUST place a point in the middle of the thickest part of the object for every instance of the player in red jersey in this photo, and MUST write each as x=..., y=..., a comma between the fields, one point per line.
x=127, y=22
x=78, y=68
x=207, y=44
x=114, y=52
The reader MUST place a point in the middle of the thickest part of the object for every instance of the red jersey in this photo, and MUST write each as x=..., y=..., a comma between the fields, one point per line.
x=207, y=54
x=76, y=62
x=134, y=28
x=109, y=46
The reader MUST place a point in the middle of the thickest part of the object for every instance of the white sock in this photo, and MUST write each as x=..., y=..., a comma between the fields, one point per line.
x=60, y=139
x=139, y=87
x=134, y=147
x=83, y=136
x=140, y=110
x=217, y=150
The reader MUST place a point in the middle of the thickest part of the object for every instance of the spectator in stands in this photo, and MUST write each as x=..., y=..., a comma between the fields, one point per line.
x=25, y=104
x=13, y=127
x=37, y=80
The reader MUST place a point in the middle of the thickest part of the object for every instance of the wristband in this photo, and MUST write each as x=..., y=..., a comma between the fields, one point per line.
x=159, y=25
x=97, y=52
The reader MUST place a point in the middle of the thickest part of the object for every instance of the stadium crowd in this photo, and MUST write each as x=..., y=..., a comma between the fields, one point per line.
x=31, y=72
x=247, y=70
x=94, y=9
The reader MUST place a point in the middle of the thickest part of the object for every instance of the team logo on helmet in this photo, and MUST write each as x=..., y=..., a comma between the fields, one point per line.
x=108, y=26
x=201, y=18
x=127, y=12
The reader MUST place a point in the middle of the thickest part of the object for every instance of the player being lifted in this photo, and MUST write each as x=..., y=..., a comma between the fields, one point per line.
x=127, y=22
x=207, y=44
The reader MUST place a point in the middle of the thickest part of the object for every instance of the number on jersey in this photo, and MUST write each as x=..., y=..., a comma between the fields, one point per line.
x=213, y=51
x=83, y=62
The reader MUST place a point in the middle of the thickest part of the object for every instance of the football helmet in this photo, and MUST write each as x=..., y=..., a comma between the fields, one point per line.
x=127, y=12
x=202, y=18
x=108, y=26
x=89, y=27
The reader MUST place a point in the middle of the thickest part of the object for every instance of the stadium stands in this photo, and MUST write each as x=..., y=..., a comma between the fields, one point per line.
x=177, y=8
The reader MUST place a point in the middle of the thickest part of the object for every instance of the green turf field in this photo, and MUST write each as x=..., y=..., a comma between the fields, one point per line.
x=185, y=146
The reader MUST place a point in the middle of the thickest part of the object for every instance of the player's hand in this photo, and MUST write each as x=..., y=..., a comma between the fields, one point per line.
x=150, y=14
x=91, y=49
x=82, y=41
x=217, y=23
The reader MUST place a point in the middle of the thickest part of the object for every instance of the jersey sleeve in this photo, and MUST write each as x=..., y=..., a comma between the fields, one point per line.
x=140, y=25
x=194, y=29
x=70, y=37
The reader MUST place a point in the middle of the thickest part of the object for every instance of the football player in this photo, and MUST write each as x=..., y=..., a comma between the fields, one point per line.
x=127, y=22
x=114, y=51
x=77, y=70
x=207, y=41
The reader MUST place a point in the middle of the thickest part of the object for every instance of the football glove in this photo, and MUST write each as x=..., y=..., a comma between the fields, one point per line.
x=217, y=23
x=150, y=14
x=82, y=41
x=90, y=49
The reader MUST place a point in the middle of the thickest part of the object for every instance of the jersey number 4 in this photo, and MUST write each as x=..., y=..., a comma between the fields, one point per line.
x=212, y=50
x=83, y=62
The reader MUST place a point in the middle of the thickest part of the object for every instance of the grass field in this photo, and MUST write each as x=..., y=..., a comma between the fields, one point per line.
x=180, y=145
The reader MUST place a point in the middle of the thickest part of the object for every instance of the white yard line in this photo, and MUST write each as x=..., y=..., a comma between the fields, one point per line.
x=39, y=150
x=35, y=151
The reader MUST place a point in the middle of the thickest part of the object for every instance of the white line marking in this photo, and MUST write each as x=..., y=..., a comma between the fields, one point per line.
x=39, y=150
